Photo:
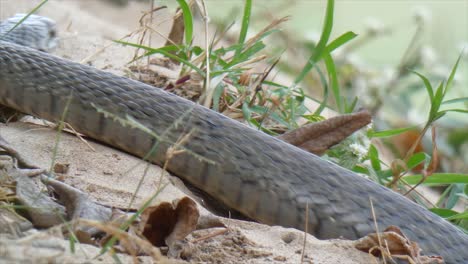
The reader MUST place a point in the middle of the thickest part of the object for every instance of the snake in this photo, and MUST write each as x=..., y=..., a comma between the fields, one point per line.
x=260, y=176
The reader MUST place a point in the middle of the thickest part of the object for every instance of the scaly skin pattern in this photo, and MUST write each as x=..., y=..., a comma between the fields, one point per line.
x=262, y=177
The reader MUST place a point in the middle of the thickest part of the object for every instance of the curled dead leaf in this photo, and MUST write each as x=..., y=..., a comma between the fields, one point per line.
x=245, y=78
x=168, y=223
x=392, y=242
x=320, y=136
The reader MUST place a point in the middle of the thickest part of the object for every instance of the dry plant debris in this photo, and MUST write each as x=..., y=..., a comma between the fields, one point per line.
x=394, y=244
x=168, y=223
x=49, y=204
x=319, y=137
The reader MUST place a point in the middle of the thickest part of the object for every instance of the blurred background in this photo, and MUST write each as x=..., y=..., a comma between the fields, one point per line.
x=445, y=22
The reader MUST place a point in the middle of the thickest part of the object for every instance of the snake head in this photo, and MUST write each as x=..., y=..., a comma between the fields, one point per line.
x=36, y=32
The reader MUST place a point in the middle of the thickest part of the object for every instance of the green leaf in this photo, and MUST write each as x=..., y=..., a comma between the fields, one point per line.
x=442, y=212
x=374, y=158
x=456, y=191
x=335, y=87
x=416, y=159
x=326, y=30
x=312, y=118
x=218, y=90
x=350, y=108
x=456, y=100
x=275, y=84
x=389, y=133
x=233, y=71
x=361, y=169
x=323, y=103
x=245, y=25
x=453, y=110
x=438, y=178
x=188, y=21
x=255, y=48
x=452, y=74
x=463, y=215
x=427, y=84
x=265, y=110
x=168, y=48
x=246, y=111
x=163, y=51
x=438, y=115
x=197, y=50
x=340, y=41
x=436, y=102
x=175, y=57
x=318, y=50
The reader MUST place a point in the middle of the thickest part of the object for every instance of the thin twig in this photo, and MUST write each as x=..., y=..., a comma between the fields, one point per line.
x=217, y=233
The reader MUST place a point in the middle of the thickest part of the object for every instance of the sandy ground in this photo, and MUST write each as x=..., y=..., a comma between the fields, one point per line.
x=111, y=177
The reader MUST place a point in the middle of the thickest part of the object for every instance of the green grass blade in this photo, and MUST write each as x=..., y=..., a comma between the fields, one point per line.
x=335, y=86
x=463, y=215
x=340, y=41
x=318, y=50
x=165, y=51
x=350, y=108
x=323, y=103
x=216, y=88
x=436, y=102
x=442, y=212
x=438, y=178
x=244, y=56
x=427, y=84
x=452, y=74
x=245, y=25
x=457, y=100
x=374, y=158
x=169, y=48
x=34, y=10
x=454, y=110
x=175, y=57
x=389, y=133
x=188, y=21
x=416, y=159
x=455, y=192
x=327, y=28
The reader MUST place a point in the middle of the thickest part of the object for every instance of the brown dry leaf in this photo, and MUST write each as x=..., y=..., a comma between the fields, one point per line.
x=432, y=165
x=319, y=137
x=129, y=242
x=404, y=142
x=245, y=78
x=168, y=223
x=394, y=244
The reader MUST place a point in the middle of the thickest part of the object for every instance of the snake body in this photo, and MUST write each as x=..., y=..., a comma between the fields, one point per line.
x=260, y=176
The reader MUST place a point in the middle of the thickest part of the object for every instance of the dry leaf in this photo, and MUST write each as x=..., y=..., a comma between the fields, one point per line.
x=319, y=137
x=394, y=243
x=167, y=223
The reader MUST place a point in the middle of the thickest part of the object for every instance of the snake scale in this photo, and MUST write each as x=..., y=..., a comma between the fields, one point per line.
x=258, y=175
